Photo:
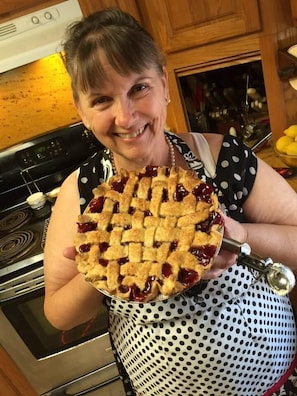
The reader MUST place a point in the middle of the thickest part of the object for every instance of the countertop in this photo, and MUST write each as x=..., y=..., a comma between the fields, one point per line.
x=267, y=154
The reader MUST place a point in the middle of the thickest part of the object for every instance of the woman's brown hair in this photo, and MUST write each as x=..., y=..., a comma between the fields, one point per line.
x=110, y=35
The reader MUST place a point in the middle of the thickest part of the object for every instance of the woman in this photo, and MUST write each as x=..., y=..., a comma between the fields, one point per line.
x=232, y=337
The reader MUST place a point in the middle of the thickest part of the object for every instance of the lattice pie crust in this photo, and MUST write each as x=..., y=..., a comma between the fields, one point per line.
x=149, y=234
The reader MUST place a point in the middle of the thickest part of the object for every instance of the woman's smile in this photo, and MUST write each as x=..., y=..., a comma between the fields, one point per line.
x=131, y=135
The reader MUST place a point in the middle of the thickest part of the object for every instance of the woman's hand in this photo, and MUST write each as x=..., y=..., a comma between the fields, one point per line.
x=69, y=252
x=225, y=258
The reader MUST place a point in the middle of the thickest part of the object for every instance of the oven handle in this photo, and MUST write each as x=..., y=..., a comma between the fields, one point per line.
x=22, y=285
x=63, y=389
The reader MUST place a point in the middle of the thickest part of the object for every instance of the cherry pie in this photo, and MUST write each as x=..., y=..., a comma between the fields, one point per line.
x=149, y=234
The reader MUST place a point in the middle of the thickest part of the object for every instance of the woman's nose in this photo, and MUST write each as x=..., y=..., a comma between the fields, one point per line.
x=124, y=113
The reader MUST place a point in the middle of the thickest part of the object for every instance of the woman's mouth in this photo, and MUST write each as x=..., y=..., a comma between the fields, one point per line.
x=132, y=135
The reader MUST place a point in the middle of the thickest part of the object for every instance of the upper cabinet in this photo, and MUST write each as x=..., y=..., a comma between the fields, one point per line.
x=14, y=8
x=294, y=11
x=178, y=25
x=89, y=6
x=199, y=35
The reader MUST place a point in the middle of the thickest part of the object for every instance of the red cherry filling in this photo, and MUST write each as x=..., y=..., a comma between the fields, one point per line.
x=96, y=205
x=103, y=246
x=140, y=295
x=85, y=247
x=119, y=185
x=123, y=260
x=218, y=219
x=103, y=262
x=205, y=226
x=150, y=171
x=203, y=253
x=147, y=213
x=116, y=207
x=131, y=210
x=165, y=195
x=203, y=192
x=180, y=193
x=85, y=227
x=124, y=289
x=166, y=270
x=173, y=245
x=187, y=277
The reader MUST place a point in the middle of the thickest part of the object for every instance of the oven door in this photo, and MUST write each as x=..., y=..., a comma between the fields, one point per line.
x=43, y=340
x=49, y=357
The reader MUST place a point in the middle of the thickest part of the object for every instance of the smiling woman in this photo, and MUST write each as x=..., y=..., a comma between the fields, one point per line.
x=120, y=85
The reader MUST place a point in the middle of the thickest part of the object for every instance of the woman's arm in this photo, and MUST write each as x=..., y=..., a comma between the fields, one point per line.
x=69, y=299
x=272, y=204
x=270, y=211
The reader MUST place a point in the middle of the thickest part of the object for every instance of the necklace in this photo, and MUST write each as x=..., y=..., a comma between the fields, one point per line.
x=171, y=151
x=171, y=155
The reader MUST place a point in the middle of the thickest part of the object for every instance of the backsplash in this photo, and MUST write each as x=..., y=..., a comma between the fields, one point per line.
x=35, y=99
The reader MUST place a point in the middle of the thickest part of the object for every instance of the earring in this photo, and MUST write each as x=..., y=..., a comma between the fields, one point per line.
x=167, y=100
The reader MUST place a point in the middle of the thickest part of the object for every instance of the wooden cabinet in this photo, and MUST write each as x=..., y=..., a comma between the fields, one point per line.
x=294, y=11
x=15, y=8
x=198, y=36
x=89, y=6
x=9, y=7
x=181, y=24
x=13, y=383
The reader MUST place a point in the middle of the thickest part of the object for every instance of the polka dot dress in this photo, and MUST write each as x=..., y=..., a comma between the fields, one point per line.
x=234, y=338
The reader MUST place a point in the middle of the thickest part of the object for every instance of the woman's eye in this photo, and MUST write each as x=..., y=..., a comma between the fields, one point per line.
x=139, y=89
x=101, y=100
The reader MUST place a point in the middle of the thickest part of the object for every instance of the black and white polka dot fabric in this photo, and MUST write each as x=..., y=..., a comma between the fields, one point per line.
x=235, y=338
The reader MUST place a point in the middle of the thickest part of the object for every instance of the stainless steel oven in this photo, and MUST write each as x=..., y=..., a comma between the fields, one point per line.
x=75, y=362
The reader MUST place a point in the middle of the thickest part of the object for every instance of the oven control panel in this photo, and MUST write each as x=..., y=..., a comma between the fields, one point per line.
x=41, y=153
x=62, y=148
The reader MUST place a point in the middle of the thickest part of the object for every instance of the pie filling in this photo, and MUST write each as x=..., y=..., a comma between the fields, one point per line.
x=149, y=234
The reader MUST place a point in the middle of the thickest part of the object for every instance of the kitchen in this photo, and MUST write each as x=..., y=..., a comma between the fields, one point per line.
x=177, y=116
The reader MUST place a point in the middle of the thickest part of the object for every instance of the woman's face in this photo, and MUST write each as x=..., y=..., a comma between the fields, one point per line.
x=128, y=114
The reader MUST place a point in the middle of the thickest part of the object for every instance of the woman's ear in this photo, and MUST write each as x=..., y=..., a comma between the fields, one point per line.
x=165, y=82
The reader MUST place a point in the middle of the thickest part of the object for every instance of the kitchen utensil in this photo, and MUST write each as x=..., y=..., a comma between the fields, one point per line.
x=36, y=201
x=53, y=194
x=279, y=277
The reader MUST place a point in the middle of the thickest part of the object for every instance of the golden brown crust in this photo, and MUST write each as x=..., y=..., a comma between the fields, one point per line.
x=149, y=233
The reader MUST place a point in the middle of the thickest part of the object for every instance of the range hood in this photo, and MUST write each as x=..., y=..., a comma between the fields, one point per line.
x=36, y=35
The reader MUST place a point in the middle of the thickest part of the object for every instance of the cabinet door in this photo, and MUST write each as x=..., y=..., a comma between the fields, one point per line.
x=13, y=382
x=182, y=24
x=293, y=4
x=14, y=8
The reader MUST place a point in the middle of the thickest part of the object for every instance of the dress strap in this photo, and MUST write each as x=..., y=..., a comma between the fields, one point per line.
x=205, y=153
x=205, y=167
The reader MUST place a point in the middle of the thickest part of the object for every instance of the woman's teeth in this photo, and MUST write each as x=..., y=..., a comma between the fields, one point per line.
x=132, y=135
